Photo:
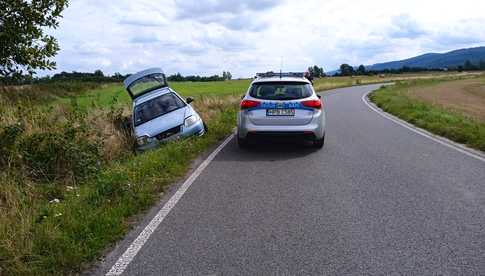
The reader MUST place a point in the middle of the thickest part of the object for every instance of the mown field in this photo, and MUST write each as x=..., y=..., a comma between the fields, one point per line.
x=113, y=94
x=452, y=108
x=464, y=96
x=69, y=181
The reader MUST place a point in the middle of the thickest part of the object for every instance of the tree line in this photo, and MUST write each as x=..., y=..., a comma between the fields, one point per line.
x=178, y=77
x=99, y=76
x=348, y=70
x=470, y=66
x=316, y=72
x=96, y=76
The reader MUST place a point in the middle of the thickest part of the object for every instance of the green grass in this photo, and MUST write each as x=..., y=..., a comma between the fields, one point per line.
x=45, y=93
x=107, y=95
x=115, y=93
x=438, y=120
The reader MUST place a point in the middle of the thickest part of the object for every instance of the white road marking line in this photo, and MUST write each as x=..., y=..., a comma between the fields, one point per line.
x=443, y=141
x=119, y=267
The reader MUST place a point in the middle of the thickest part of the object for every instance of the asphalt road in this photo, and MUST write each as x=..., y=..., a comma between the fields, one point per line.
x=378, y=199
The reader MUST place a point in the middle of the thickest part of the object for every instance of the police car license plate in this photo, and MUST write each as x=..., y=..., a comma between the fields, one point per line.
x=280, y=112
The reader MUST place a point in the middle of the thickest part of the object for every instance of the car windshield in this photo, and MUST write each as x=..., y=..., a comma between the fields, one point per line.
x=280, y=90
x=156, y=107
x=147, y=84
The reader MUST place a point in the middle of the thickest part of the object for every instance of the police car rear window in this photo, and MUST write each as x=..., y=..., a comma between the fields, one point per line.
x=280, y=90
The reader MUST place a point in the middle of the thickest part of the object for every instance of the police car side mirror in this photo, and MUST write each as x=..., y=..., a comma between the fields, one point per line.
x=242, y=97
x=189, y=100
x=319, y=96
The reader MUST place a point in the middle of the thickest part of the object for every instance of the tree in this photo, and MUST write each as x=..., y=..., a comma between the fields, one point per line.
x=117, y=76
x=316, y=71
x=226, y=75
x=98, y=73
x=482, y=64
x=361, y=70
x=310, y=71
x=469, y=65
x=346, y=70
x=322, y=73
x=24, y=46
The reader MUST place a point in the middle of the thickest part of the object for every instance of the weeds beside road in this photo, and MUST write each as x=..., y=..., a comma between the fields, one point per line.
x=410, y=101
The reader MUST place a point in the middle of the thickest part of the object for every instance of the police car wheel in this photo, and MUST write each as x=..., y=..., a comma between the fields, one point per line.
x=318, y=143
x=242, y=143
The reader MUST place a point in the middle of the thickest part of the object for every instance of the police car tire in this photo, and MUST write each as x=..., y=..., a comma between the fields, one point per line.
x=318, y=143
x=242, y=143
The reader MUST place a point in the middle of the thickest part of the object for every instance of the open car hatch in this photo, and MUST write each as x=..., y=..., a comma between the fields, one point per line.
x=144, y=82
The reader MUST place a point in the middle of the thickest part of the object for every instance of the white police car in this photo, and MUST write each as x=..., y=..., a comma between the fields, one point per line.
x=281, y=104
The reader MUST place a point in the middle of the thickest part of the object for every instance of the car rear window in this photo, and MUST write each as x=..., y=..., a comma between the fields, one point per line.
x=280, y=90
x=147, y=83
x=156, y=107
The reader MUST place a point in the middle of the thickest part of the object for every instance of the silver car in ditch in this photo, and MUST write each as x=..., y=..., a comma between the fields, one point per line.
x=281, y=104
x=159, y=113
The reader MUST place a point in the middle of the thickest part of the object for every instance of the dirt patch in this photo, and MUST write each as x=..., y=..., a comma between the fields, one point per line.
x=464, y=96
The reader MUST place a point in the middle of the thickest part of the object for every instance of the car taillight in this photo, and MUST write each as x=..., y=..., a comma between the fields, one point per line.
x=245, y=104
x=313, y=104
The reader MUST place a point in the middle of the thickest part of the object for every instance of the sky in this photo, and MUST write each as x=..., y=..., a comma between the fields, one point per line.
x=206, y=37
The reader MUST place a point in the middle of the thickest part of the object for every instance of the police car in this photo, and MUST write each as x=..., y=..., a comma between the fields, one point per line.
x=281, y=104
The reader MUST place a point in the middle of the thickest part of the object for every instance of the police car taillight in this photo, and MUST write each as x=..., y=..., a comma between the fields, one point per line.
x=313, y=104
x=245, y=104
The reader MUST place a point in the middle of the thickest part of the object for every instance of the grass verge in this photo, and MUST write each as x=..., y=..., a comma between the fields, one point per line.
x=438, y=120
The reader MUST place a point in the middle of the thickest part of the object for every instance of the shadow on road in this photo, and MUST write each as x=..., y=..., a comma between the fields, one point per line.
x=262, y=150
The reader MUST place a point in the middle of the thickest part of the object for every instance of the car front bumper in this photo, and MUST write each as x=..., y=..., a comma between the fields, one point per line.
x=197, y=129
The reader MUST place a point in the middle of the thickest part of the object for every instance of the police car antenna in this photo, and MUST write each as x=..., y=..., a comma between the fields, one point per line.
x=281, y=67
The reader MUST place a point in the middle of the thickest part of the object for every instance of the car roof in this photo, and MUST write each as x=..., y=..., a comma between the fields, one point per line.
x=283, y=79
x=151, y=95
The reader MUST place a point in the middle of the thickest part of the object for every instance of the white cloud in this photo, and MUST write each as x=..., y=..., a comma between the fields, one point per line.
x=91, y=48
x=209, y=36
x=404, y=26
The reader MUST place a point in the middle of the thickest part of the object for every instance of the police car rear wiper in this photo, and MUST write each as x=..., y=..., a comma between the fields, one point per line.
x=286, y=98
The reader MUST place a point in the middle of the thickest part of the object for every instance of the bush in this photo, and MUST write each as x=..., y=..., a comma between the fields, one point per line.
x=49, y=156
x=8, y=138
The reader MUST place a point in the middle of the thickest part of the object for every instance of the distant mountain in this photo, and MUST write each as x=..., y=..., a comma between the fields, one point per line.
x=434, y=60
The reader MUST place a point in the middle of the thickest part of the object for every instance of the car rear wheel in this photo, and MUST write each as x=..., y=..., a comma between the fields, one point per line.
x=242, y=142
x=318, y=143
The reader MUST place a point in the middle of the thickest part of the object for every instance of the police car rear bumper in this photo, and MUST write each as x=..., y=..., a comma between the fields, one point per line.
x=314, y=129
